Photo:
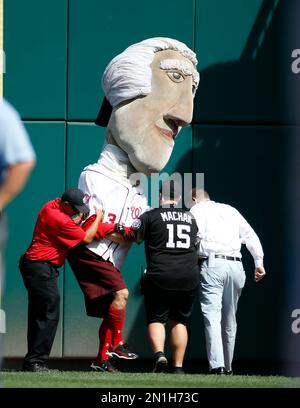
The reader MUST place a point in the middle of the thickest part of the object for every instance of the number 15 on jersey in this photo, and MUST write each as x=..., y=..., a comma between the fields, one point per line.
x=179, y=236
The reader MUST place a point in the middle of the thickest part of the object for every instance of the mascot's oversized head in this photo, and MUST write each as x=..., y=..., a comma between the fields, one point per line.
x=149, y=91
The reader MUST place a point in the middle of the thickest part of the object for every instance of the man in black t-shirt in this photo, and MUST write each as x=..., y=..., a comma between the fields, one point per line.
x=171, y=280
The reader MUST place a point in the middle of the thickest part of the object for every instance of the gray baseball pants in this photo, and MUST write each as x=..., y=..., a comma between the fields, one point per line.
x=220, y=288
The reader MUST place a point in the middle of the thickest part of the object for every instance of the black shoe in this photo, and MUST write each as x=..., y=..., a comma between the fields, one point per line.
x=230, y=372
x=122, y=351
x=218, y=371
x=103, y=366
x=36, y=368
x=177, y=370
x=160, y=363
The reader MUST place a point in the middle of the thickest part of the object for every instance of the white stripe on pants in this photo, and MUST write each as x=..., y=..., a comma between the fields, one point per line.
x=220, y=289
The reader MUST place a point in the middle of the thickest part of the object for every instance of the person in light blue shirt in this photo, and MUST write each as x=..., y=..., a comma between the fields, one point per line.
x=17, y=158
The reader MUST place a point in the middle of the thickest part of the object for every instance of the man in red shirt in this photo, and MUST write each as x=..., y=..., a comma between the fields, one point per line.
x=57, y=229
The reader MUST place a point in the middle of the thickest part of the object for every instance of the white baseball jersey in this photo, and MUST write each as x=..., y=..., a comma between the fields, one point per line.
x=120, y=201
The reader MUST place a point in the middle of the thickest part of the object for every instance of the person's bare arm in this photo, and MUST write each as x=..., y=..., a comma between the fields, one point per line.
x=15, y=179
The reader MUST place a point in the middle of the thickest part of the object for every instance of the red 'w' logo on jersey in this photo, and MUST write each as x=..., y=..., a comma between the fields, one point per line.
x=136, y=212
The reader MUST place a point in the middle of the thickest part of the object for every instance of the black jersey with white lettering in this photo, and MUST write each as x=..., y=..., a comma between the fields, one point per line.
x=170, y=236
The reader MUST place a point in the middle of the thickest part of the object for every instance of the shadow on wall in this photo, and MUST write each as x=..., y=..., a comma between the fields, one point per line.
x=260, y=86
x=244, y=167
x=244, y=164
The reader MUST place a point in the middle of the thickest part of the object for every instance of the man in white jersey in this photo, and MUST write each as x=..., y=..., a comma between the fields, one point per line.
x=149, y=90
x=221, y=231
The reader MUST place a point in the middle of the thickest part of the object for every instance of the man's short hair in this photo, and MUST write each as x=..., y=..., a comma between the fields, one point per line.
x=199, y=193
x=170, y=190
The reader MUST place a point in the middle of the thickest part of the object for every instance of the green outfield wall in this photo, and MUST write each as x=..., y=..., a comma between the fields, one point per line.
x=243, y=127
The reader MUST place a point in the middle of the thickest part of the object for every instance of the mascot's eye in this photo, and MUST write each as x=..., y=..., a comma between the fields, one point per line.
x=175, y=76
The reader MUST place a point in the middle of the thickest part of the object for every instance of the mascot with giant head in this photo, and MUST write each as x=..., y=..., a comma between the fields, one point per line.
x=149, y=91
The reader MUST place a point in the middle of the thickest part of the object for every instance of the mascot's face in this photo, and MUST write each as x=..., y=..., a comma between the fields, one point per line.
x=146, y=127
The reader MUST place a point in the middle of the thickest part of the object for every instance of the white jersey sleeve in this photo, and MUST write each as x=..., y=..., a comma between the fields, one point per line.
x=93, y=194
x=120, y=203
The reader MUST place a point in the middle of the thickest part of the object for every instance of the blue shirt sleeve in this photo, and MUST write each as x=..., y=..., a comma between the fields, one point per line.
x=15, y=146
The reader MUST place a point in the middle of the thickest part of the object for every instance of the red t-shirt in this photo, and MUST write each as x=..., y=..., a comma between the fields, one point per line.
x=54, y=233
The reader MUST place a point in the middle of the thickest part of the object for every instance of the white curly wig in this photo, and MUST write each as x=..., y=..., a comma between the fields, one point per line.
x=128, y=75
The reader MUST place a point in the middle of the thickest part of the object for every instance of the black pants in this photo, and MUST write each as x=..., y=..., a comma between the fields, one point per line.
x=162, y=305
x=40, y=279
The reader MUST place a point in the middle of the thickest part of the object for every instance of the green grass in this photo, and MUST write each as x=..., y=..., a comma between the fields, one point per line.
x=83, y=379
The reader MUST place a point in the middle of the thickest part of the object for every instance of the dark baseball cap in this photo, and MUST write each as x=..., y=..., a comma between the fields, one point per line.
x=75, y=198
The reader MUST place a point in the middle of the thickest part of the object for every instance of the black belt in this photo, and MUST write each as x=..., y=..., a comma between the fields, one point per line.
x=229, y=258
x=201, y=260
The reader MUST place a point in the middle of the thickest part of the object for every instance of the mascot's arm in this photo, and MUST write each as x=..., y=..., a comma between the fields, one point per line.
x=115, y=232
x=104, y=228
